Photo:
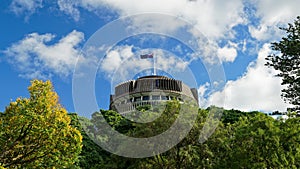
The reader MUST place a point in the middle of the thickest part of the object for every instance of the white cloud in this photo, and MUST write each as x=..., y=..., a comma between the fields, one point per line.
x=273, y=14
x=70, y=8
x=115, y=58
x=257, y=89
x=202, y=90
x=121, y=63
x=227, y=54
x=213, y=18
x=35, y=57
x=27, y=7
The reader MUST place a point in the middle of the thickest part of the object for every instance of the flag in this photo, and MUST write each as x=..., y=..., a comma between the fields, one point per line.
x=147, y=56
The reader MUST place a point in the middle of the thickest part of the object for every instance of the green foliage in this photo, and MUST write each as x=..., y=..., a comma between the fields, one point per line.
x=181, y=155
x=92, y=156
x=290, y=142
x=288, y=63
x=114, y=119
x=254, y=143
x=36, y=132
x=261, y=142
x=166, y=117
x=241, y=140
x=232, y=116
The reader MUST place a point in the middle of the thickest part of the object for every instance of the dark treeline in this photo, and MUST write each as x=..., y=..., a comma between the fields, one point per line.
x=241, y=140
x=37, y=132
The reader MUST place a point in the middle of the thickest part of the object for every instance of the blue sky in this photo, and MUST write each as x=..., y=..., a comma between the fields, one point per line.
x=215, y=46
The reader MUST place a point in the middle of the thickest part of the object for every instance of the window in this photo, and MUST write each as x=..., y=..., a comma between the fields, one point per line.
x=157, y=83
x=164, y=97
x=146, y=97
x=155, y=97
x=137, y=99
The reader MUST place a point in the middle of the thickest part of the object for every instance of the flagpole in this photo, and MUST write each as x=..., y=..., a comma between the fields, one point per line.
x=154, y=70
x=146, y=56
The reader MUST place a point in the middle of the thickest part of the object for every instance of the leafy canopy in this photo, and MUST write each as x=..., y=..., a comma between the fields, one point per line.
x=287, y=62
x=36, y=132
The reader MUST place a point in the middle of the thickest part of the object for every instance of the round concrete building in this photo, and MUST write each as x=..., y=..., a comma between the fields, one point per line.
x=150, y=90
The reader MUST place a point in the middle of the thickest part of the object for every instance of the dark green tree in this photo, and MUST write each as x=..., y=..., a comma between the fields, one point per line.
x=261, y=142
x=241, y=140
x=92, y=155
x=290, y=142
x=181, y=156
x=255, y=143
x=189, y=153
x=286, y=60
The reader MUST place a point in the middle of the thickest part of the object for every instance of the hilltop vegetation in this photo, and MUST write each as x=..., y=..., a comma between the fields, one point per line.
x=38, y=133
x=241, y=140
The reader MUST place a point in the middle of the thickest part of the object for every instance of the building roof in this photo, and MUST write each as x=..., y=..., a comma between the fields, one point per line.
x=154, y=76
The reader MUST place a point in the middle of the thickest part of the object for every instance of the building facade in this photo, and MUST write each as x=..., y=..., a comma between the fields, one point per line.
x=150, y=90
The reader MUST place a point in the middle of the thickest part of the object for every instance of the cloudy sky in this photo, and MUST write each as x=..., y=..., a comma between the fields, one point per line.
x=218, y=47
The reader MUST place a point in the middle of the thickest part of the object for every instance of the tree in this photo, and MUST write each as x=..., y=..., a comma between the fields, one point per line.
x=163, y=117
x=262, y=142
x=232, y=116
x=183, y=155
x=92, y=156
x=36, y=132
x=290, y=142
x=255, y=143
x=241, y=140
x=288, y=63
